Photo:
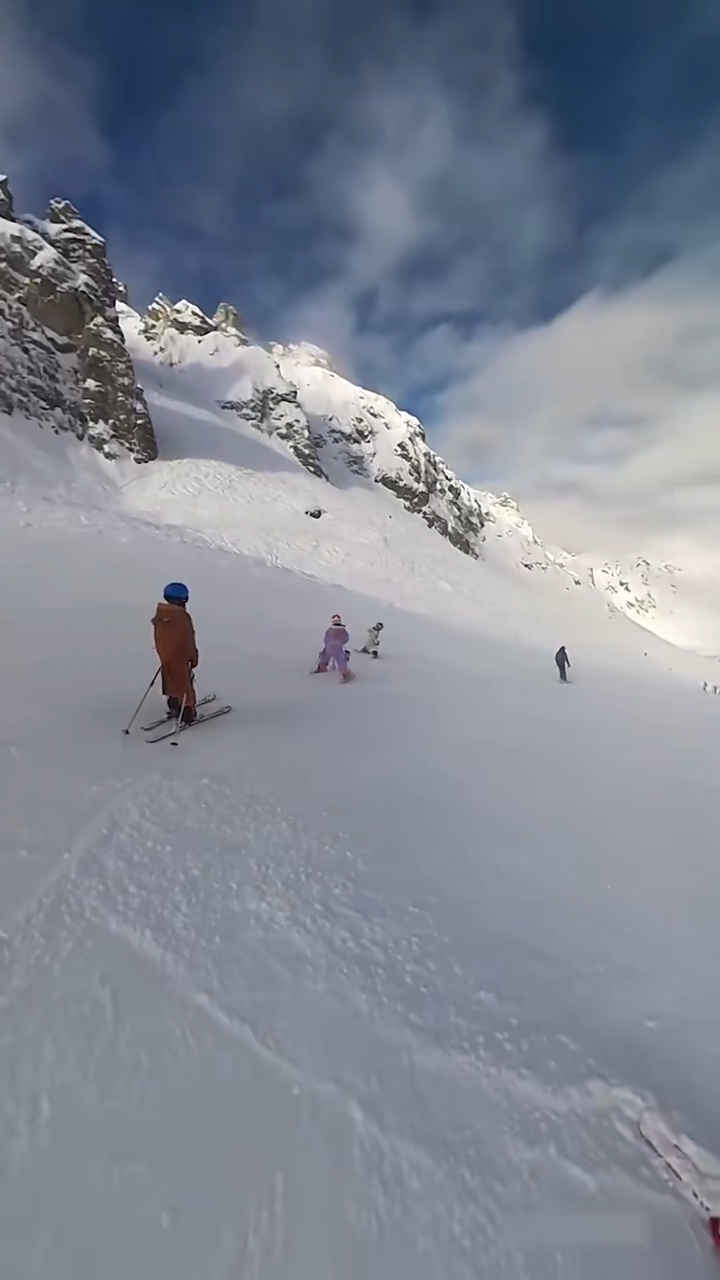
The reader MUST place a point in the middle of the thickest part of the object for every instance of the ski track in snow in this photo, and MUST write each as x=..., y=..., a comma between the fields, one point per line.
x=271, y=958
x=285, y=955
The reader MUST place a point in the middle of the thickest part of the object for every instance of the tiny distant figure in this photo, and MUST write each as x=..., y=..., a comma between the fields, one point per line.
x=333, y=650
x=372, y=640
x=563, y=663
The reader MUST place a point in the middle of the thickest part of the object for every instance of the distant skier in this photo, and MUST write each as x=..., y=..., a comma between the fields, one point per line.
x=333, y=650
x=177, y=650
x=563, y=663
x=372, y=640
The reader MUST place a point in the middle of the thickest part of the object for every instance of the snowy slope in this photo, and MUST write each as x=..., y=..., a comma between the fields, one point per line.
x=365, y=982
x=678, y=600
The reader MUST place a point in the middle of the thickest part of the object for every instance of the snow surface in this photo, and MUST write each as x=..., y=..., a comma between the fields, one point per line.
x=366, y=982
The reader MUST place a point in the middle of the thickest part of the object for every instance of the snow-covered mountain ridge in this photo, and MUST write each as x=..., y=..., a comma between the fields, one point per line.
x=346, y=436
x=674, y=601
x=72, y=355
x=336, y=430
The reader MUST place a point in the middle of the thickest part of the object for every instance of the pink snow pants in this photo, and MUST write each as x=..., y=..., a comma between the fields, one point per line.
x=335, y=655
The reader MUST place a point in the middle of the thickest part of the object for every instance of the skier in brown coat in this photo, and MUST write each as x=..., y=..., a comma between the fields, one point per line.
x=177, y=650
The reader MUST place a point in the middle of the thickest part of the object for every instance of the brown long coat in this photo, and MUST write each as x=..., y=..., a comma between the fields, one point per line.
x=177, y=650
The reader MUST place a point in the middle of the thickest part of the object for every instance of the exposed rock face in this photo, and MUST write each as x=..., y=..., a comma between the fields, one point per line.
x=361, y=432
x=425, y=484
x=227, y=320
x=336, y=430
x=275, y=410
x=63, y=359
x=178, y=317
x=6, y=200
x=260, y=394
x=164, y=318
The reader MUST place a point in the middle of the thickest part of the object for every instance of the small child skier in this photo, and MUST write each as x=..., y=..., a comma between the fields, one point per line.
x=333, y=650
x=177, y=650
x=372, y=640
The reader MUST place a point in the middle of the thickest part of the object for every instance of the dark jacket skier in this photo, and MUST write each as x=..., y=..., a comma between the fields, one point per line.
x=563, y=662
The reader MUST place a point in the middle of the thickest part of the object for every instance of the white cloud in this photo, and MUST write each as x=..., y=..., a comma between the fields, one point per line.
x=443, y=203
x=605, y=422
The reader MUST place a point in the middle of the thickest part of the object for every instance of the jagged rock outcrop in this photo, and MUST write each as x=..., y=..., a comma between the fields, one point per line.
x=227, y=320
x=63, y=358
x=632, y=587
x=6, y=200
x=276, y=412
x=426, y=485
x=260, y=395
x=364, y=433
x=164, y=318
x=338, y=431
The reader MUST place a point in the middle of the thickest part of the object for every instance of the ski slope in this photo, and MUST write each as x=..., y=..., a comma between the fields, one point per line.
x=356, y=982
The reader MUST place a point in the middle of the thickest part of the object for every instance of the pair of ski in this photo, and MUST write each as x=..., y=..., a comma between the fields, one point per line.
x=697, y=1172
x=171, y=720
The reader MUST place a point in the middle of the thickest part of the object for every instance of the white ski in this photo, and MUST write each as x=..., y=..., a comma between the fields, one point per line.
x=155, y=724
x=202, y=719
x=697, y=1172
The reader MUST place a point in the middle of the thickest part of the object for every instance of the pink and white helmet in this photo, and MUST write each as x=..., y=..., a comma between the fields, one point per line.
x=336, y=620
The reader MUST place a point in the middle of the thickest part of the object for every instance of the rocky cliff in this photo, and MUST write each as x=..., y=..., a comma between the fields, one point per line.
x=336, y=430
x=63, y=358
x=363, y=432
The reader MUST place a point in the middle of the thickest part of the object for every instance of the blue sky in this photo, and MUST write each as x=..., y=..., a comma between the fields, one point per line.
x=421, y=187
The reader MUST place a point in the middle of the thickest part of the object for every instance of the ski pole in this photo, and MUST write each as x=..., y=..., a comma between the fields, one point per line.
x=179, y=721
x=142, y=700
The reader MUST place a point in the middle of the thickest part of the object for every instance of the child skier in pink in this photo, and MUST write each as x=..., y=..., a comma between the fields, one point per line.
x=333, y=650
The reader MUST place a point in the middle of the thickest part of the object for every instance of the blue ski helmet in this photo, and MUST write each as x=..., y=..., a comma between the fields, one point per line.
x=176, y=593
